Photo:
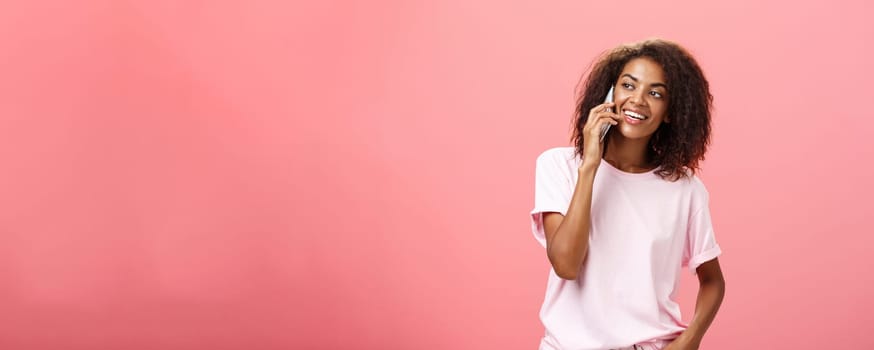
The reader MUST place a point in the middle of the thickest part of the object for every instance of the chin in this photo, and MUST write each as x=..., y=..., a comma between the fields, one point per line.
x=636, y=134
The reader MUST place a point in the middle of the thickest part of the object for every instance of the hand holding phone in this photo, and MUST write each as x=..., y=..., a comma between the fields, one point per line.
x=606, y=128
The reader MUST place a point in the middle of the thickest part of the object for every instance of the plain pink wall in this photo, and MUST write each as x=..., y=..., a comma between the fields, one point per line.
x=338, y=175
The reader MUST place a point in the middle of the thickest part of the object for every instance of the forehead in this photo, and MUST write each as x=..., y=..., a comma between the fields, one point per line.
x=644, y=69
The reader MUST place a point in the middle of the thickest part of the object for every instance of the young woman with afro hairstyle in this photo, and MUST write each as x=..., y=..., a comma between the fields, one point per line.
x=621, y=216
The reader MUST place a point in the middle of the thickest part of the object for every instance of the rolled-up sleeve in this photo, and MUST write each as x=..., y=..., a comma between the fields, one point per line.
x=552, y=190
x=701, y=243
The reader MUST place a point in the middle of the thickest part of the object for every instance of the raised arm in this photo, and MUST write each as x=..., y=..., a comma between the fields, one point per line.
x=567, y=237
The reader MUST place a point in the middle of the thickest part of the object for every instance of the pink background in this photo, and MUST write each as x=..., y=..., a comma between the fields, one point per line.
x=358, y=175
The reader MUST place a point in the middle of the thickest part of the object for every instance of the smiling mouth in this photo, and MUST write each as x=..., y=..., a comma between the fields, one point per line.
x=635, y=115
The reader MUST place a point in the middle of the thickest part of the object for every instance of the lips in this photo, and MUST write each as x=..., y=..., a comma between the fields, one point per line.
x=633, y=117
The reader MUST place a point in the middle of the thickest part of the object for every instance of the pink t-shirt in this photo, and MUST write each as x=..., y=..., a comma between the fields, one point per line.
x=643, y=231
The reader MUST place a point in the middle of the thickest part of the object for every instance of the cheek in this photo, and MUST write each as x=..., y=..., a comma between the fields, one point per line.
x=662, y=110
x=620, y=99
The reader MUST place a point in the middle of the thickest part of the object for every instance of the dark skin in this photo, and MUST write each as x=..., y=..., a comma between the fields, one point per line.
x=641, y=90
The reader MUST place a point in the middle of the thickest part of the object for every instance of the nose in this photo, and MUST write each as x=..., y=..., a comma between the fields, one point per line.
x=636, y=97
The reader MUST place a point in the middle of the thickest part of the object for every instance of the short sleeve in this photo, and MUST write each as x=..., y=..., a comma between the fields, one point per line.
x=552, y=190
x=701, y=243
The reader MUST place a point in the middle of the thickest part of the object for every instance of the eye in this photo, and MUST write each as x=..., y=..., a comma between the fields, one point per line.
x=628, y=86
x=656, y=94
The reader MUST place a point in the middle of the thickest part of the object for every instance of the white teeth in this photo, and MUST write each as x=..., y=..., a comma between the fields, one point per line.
x=635, y=115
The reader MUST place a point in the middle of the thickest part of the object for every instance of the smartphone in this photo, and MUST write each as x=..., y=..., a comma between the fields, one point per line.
x=606, y=128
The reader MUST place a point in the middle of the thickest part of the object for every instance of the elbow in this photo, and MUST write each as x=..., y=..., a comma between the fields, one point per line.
x=567, y=274
x=720, y=284
x=715, y=280
x=564, y=267
x=716, y=285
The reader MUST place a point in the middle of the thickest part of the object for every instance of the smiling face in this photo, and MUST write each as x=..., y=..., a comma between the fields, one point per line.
x=642, y=98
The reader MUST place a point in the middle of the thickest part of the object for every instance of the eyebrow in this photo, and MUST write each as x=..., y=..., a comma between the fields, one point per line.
x=636, y=80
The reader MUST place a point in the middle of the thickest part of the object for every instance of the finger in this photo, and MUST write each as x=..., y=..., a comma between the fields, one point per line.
x=602, y=108
x=600, y=124
x=610, y=117
x=607, y=117
x=595, y=115
x=607, y=106
x=594, y=125
x=613, y=116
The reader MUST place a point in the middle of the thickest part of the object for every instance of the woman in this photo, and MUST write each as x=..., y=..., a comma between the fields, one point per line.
x=619, y=218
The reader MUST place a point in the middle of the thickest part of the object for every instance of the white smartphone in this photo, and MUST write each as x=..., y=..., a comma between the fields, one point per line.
x=606, y=128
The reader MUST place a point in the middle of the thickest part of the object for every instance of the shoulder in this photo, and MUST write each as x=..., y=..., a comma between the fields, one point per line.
x=557, y=161
x=697, y=191
x=697, y=185
x=557, y=155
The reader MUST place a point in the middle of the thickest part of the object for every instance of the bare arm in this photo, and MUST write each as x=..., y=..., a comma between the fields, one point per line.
x=710, y=293
x=567, y=237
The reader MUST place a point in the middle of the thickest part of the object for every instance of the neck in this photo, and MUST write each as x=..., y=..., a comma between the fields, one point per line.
x=628, y=155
